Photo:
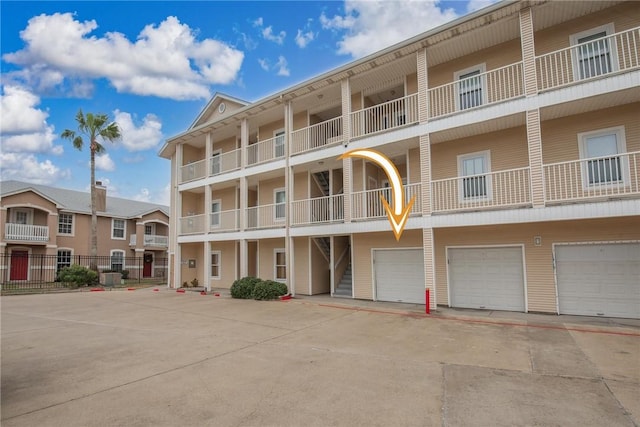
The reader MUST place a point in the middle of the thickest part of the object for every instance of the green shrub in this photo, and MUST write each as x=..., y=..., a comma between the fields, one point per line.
x=77, y=275
x=269, y=289
x=125, y=274
x=243, y=288
x=195, y=282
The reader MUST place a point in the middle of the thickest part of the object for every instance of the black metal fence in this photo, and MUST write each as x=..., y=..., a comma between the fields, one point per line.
x=22, y=270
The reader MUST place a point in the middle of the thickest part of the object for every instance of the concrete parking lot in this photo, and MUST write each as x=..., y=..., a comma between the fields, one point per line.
x=160, y=358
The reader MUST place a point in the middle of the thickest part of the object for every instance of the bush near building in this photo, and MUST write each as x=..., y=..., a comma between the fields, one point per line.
x=258, y=289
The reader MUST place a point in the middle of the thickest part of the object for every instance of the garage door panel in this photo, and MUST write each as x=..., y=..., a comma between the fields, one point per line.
x=399, y=275
x=599, y=279
x=488, y=278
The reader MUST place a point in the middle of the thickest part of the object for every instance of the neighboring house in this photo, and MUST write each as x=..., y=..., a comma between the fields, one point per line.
x=45, y=229
x=517, y=127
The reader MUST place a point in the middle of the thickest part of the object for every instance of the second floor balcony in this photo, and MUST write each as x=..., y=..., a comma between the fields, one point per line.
x=150, y=241
x=26, y=232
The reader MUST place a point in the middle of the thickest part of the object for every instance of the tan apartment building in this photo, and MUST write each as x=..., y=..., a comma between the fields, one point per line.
x=45, y=229
x=516, y=127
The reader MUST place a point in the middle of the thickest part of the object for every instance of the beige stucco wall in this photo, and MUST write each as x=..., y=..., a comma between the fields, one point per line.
x=227, y=196
x=541, y=293
x=560, y=136
x=215, y=114
x=266, y=190
x=192, y=154
x=227, y=264
x=301, y=186
x=191, y=251
x=266, y=257
x=192, y=202
x=414, y=166
x=411, y=83
x=361, y=253
x=300, y=120
x=266, y=131
x=225, y=145
x=301, y=264
x=320, y=272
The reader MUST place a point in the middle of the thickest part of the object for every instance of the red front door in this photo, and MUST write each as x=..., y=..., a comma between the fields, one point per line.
x=146, y=268
x=19, y=265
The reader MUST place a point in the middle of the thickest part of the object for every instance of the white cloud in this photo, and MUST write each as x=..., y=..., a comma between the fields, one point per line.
x=303, y=39
x=26, y=167
x=137, y=138
x=374, y=25
x=105, y=163
x=165, y=196
x=258, y=22
x=264, y=64
x=474, y=5
x=166, y=60
x=281, y=65
x=24, y=127
x=143, y=195
x=268, y=34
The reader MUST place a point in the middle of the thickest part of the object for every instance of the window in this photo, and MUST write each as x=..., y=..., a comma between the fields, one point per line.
x=64, y=259
x=65, y=223
x=215, y=264
x=593, y=54
x=279, y=143
x=602, y=149
x=474, y=168
x=280, y=205
x=470, y=87
x=215, y=162
x=215, y=213
x=117, y=260
x=118, y=228
x=22, y=216
x=149, y=229
x=280, y=265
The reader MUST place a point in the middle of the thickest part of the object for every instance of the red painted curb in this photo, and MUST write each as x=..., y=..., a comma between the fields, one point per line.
x=155, y=290
x=97, y=290
x=285, y=297
x=216, y=294
x=181, y=291
x=131, y=289
x=203, y=292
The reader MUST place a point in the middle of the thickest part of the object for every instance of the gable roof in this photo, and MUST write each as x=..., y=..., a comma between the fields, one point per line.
x=80, y=202
x=213, y=103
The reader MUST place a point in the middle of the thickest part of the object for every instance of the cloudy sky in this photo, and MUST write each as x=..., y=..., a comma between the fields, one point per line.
x=152, y=66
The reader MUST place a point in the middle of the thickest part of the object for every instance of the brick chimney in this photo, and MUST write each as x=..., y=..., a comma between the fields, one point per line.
x=101, y=197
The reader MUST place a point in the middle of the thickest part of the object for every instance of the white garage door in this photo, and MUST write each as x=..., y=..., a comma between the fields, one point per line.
x=488, y=278
x=599, y=280
x=399, y=275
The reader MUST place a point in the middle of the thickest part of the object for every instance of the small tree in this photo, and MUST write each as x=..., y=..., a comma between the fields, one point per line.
x=93, y=127
x=77, y=275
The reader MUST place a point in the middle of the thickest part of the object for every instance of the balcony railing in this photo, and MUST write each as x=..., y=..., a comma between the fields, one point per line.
x=508, y=188
x=368, y=204
x=224, y=221
x=584, y=61
x=225, y=162
x=193, y=171
x=193, y=224
x=264, y=151
x=318, y=210
x=396, y=113
x=25, y=232
x=485, y=88
x=266, y=216
x=150, y=240
x=316, y=136
x=594, y=178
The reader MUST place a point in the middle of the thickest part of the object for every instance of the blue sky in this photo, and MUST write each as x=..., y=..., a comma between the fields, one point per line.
x=152, y=67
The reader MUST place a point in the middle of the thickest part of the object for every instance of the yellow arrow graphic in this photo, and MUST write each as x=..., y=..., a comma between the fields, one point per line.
x=400, y=213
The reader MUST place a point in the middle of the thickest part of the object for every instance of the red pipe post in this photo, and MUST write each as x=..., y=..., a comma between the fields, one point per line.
x=427, y=307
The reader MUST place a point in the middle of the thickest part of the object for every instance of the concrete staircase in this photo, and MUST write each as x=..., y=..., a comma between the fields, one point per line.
x=344, y=289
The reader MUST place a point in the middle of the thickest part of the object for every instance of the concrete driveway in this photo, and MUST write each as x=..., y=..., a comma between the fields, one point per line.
x=160, y=358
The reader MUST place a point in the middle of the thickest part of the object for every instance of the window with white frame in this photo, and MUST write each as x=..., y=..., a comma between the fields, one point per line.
x=149, y=229
x=473, y=168
x=118, y=228
x=215, y=213
x=64, y=259
x=22, y=216
x=280, y=207
x=65, y=223
x=280, y=261
x=594, y=52
x=603, y=164
x=279, y=143
x=470, y=90
x=216, y=265
x=215, y=162
x=117, y=260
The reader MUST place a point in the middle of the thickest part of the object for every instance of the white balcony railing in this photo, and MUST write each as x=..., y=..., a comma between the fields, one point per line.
x=225, y=162
x=318, y=210
x=193, y=224
x=617, y=52
x=266, y=216
x=264, y=151
x=25, y=232
x=316, y=136
x=224, y=221
x=388, y=115
x=368, y=204
x=598, y=177
x=193, y=171
x=508, y=188
x=485, y=88
x=155, y=240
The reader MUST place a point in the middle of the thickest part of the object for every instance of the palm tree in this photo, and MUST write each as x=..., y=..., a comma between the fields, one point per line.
x=93, y=127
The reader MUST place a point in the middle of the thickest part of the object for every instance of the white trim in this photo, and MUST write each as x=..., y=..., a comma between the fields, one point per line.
x=277, y=218
x=374, y=292
x=621, y=147
x=486, y=155
x=609, y=30
x=211, y=212
x=310, y=264
x=481, y=68
x=215, y=154
x=28, y=211
x=73, y=225
x=219, y=254
x=124, y=255
x=509, y=245
x=124, y=233
x=277, y=251
x=276, y=133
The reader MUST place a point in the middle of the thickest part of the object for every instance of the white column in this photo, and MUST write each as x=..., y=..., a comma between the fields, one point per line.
x=207, y=266
x=208, y=149
x=244, y=142
x=244, y=261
